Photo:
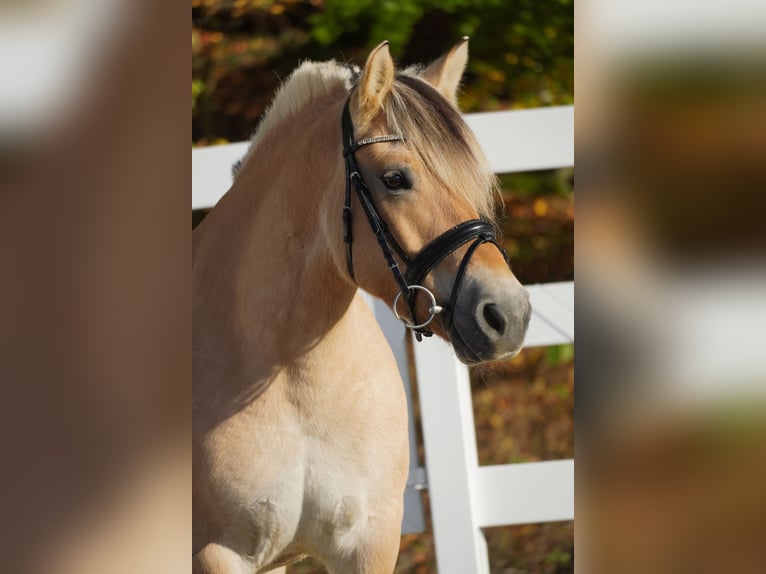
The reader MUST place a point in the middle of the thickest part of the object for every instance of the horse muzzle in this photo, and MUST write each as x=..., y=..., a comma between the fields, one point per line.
x=489, y=323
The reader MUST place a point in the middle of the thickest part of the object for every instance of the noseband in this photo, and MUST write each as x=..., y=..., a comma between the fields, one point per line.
x=476, y=230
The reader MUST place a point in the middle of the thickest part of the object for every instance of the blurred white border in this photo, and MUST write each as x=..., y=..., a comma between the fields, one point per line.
x=46, y=53
x=658, y=25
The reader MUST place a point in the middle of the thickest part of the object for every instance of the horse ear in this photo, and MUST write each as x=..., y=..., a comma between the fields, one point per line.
x=377, y=80
x=445, y=73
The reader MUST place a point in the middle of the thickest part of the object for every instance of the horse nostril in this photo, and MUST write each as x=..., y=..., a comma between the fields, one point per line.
x=494, y=318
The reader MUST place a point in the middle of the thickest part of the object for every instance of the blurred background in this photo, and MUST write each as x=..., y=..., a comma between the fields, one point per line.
x=95, y=328
x=670, y=142
x=521, y=56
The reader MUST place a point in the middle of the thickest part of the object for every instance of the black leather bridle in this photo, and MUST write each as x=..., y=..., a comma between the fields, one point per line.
x=476, y=230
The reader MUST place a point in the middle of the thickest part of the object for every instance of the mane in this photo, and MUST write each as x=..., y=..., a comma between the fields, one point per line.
x=308, y=81
x=434, y=129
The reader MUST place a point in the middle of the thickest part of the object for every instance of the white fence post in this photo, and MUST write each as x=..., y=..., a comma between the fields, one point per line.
x=451, y=458
x=414, y=516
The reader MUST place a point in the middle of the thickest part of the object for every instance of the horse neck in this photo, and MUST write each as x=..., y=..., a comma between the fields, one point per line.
x=265, y=252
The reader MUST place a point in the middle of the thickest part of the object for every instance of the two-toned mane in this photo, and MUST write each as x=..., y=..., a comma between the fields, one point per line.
x=311, y=80
x=354, y=179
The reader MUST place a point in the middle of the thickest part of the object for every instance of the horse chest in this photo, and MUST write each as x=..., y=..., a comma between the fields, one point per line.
x=314, y=474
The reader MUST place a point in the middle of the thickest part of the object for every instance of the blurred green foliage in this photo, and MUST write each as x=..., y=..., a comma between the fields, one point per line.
x=557, y=354
x=521, y=50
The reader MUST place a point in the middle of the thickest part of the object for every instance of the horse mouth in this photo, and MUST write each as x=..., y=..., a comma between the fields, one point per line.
x=462, y=348
x=473, y=348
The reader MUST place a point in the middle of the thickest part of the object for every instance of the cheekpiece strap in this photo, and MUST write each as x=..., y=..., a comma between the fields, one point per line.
x=354, y=177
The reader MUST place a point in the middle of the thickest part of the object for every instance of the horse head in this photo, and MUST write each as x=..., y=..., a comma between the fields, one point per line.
x=416, y=171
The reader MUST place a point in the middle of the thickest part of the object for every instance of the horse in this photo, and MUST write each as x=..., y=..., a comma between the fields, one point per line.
x=355, y=179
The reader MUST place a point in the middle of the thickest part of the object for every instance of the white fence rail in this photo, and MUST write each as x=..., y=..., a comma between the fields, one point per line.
x=465, y=497
x=521, y=140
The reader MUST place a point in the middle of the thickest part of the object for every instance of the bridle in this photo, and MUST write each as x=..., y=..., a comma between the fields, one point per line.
x=477, y=230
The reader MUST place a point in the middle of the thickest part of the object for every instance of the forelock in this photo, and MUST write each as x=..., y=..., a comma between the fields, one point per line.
x=434, y=129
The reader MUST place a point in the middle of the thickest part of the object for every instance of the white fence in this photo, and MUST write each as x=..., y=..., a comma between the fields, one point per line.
x=465, y=497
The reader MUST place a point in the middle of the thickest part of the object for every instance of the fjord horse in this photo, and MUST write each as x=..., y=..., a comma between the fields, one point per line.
x=299, y=415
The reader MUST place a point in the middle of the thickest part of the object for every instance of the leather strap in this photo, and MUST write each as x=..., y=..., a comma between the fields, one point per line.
x=379, y=228
x=448, y=242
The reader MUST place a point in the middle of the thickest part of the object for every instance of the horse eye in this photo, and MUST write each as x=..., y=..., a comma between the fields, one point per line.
x=393, y=180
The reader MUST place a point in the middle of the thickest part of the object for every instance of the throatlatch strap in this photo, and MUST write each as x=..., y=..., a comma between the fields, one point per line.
x=347, y=129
